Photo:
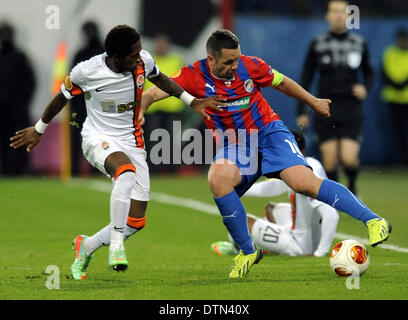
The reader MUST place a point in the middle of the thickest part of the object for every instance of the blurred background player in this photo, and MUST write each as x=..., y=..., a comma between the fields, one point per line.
x=17, y=84
x=162, y=114
x=92, y=45
x=305, y=226
x=338, y=56
x=395, y=91
x=239, y=78
x=112, y=83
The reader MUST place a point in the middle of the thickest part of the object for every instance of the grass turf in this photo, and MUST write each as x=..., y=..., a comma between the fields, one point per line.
x=171, y=259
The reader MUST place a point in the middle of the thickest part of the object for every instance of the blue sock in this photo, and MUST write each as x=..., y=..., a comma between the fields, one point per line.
x=340, y=198
x=235, y=219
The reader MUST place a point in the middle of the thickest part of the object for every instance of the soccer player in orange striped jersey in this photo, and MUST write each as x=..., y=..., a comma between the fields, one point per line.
x=112, y=84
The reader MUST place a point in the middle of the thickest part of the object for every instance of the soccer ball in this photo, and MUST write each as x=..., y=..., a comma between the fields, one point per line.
x=349, y=257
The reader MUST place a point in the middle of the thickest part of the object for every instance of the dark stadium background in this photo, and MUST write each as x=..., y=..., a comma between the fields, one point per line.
x=280, y=32
x=277, y=31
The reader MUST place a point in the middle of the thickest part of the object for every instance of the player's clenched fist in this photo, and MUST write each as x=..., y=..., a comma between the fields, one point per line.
x=322, y=107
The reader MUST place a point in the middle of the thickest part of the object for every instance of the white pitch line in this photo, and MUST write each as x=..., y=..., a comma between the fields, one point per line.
x=212, y=209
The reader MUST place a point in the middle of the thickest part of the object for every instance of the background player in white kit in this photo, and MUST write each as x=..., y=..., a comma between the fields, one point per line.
x=113, y=83
x=305, y=226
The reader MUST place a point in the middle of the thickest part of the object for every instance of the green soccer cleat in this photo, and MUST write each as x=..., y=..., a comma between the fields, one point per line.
x=244, y=262
x=118, y=260
x=223, y=248
x=81, y=262
x=378, y=231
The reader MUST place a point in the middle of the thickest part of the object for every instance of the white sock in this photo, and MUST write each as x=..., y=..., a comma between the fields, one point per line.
x=116, y=240
x=119, y=207
x=103, y=238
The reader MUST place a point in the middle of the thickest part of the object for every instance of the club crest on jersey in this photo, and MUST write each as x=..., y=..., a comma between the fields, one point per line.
x=249, y=85
x=68, y=83
x=105, y=145
x=140, y=81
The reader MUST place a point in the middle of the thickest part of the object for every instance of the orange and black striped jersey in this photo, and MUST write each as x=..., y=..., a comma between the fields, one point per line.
x=112, y=99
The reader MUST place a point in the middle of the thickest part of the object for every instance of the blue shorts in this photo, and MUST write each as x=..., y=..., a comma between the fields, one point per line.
x=266, y=153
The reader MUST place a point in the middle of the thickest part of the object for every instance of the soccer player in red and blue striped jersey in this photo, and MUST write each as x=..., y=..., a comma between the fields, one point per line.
x=238, y=78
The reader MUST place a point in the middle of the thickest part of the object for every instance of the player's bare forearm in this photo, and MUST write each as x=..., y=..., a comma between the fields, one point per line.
x=161, y=92
x=54, y=107
x=294, y=90
x=150, y=96
x=30, y=137
x=167, y=85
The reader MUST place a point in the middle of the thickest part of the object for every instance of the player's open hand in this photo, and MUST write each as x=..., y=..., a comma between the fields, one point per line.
x=27, y=137
x=214, y=102
x=322, y=107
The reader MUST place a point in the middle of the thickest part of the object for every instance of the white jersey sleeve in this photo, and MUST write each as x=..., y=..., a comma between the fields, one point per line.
x=75, y=82
x=151, y=68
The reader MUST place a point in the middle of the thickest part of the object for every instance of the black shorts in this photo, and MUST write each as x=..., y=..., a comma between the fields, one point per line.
x=346, y=121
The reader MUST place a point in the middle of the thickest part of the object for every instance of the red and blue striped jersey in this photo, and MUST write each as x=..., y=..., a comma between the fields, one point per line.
x=246, y=107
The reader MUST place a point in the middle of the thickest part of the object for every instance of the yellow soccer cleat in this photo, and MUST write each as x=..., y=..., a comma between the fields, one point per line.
x=244, y=262
x=378, y=231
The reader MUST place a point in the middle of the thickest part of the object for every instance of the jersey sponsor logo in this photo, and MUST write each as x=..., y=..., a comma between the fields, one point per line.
x=109, y=107
x=68, y=83
x=140, y=81
x=238, y=104
x=249, y=85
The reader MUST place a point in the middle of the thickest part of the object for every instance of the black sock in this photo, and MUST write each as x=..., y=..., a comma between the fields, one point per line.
x=333, y=175
x=351, y=174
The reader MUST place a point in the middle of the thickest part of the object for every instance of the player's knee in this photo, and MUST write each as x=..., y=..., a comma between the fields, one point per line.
x=223, y=177
x=308, y=187
x=351, y=163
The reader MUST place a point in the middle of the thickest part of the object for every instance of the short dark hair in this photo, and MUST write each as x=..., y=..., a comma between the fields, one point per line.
x=300, y=139
x=221, y=39
x=120, y=39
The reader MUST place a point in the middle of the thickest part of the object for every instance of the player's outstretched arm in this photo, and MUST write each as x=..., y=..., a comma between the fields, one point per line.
x=294, y=90
x=171, y=88
x=31, y=136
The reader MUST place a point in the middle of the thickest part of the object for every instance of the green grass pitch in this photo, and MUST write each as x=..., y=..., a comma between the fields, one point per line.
x=171, y=258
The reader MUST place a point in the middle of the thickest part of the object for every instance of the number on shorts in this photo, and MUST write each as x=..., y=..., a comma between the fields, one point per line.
x=294, y=147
